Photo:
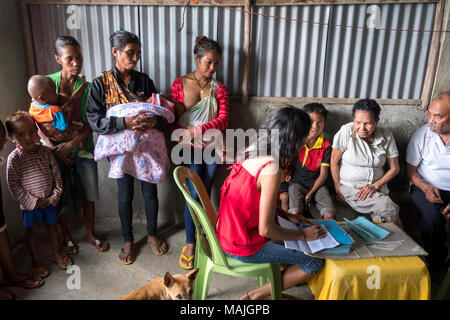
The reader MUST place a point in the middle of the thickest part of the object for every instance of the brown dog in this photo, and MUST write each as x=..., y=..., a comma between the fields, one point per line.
x=176, y=287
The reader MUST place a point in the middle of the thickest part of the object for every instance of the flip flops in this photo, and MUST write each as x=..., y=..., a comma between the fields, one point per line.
x=70, y=248
x=182, y=256
x=40, y=272
x=157, y=247
x=126, y=257
x=100, y=245
x=28, y=283
x=63, y=264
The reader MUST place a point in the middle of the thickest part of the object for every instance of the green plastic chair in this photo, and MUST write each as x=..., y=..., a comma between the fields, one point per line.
x=209, y=256
x=444, y=286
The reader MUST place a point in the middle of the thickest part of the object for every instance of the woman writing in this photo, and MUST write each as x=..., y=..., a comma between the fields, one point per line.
x=246, y=221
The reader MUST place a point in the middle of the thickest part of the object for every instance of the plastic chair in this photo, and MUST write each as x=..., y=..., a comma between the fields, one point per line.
x=444, y=286
x=209, y=256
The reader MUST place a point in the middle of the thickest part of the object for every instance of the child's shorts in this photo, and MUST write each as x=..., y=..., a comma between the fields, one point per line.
x=36, y=216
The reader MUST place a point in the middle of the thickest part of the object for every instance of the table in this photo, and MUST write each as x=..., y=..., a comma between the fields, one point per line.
x=368, y=273
x=391, y=278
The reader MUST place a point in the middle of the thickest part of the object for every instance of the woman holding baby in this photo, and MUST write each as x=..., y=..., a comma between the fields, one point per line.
x=120, y=85
x=74, y=154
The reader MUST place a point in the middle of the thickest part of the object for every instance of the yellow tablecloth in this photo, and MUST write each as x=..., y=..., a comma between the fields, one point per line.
x=396, y=278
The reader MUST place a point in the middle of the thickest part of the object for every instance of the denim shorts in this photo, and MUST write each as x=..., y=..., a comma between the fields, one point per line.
x=86, y=170
x=276, y=253
x=36, y=216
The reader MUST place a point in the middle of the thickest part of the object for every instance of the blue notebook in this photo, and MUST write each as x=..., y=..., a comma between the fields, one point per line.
x=340, y=235
x=366, y=229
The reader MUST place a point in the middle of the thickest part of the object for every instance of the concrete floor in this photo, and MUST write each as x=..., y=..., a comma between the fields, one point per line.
x=102, y=277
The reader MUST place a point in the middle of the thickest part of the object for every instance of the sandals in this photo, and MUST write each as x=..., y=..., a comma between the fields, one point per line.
x=182, y=256
x=30, y=282
x=126, y=257
x=7, y=295
x=159, y=248
x=100, y=245
x=70, y=248
x=63, y=264
x=40, y=272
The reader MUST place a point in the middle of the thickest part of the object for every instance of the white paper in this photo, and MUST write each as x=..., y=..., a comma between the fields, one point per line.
x=307, y=246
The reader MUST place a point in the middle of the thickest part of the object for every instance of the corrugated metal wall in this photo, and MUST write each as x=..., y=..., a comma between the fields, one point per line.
x=289, y=59
x=376, y=63
x=166, y=53
x=299, y=59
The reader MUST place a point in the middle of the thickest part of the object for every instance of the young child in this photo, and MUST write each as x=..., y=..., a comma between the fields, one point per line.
x=34, y=181
x=50, y=107
x=308, y=178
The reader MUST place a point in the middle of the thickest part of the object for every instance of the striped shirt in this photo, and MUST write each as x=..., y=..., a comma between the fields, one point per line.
x=33, y=175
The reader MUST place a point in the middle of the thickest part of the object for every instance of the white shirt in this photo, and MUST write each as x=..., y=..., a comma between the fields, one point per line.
x=431, y=156
x=362, y=163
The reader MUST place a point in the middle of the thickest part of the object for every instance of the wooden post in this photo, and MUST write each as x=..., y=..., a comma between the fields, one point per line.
x=245, y=82
x=433, y=56
x=28, y=38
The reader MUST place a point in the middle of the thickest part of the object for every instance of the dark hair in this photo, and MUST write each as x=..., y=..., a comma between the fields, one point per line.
x=316, y=108
x=19, y=115
x=65, y=41
x=293, y=126
x=204, y=44
x=369, y=105
x=120, y=39
x=2, y=131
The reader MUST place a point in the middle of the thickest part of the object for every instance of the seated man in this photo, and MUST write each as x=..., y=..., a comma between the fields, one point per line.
x=428, y=169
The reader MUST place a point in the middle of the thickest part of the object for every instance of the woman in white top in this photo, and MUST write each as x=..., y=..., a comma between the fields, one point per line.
x=360, y=150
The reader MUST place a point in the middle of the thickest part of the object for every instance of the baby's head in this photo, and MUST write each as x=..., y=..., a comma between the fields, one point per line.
x=22, y=130
x=43, y=90
x=318, y=114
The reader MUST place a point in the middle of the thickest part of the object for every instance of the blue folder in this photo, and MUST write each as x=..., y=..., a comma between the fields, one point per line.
x=340, y=235
x=366, y=229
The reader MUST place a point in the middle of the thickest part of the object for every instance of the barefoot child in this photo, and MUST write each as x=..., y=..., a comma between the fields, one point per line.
x=34, y=181
x=307, y=183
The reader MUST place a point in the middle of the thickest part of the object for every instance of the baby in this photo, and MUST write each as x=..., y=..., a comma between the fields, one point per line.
x=50, y=107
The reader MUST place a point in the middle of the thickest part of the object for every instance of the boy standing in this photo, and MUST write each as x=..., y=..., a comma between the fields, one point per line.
x=34, y=181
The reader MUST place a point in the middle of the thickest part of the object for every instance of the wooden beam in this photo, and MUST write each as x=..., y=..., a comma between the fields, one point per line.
x=328, y=2
x=433, y=56
x=28, y=38
x=140, y=2
x=246, y=48
x=222, y=3
x=288, y=100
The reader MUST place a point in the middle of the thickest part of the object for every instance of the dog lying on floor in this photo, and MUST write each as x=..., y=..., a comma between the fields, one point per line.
x=176, y=287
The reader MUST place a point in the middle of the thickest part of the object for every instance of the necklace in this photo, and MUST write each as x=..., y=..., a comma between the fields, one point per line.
x=198, y=82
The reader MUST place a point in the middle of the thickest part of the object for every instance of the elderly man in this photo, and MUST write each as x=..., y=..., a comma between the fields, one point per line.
x=428, y=169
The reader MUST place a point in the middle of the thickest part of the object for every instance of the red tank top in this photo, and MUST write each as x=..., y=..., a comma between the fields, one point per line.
x=238, y=216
